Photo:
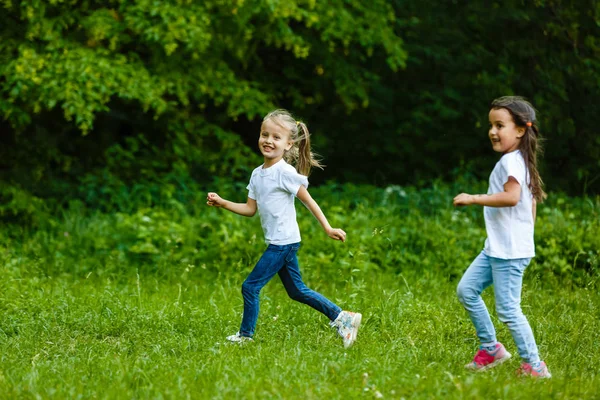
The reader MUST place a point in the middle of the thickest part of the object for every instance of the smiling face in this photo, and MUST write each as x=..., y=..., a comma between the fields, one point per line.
x=273, y=142
x=503, y=133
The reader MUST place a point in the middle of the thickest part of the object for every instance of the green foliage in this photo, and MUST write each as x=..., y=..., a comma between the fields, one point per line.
x=566, y=236
x=171, y=76
x=429, y=120
x=19, y=207
x=402, y=87
x=396, y=229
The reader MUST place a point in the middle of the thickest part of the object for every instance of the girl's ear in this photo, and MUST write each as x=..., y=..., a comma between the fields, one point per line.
x=289, y=145
x=521, y=132
x=290, y=142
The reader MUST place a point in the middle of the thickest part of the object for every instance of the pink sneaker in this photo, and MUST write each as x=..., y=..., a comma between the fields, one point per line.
x=540, y=372
x=485, y=360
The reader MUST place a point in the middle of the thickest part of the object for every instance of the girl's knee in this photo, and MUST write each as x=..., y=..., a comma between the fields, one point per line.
x=249, y=289
x=467, y=294
x=463, y=293
x=509, y=314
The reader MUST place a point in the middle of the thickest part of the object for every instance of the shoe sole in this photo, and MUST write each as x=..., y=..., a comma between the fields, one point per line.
x=530, y=375
x=356, y=320
x=524, y=373
x=236, y=339
x=490, y=365
x=240, y=341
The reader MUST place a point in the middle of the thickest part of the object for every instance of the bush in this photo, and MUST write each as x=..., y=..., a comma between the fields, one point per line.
x=398, y=229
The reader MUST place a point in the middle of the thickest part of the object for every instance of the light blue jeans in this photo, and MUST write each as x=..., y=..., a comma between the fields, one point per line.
x=280, y=260
x=507, y=277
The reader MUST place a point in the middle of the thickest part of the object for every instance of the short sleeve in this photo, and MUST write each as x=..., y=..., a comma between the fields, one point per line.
x=292, y=180
x=250, y=188
x=515, y=166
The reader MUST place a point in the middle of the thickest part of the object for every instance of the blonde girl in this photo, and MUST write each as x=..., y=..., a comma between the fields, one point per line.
x=284, y=143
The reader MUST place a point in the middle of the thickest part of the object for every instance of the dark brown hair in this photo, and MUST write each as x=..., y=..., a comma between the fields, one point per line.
x=524, y=116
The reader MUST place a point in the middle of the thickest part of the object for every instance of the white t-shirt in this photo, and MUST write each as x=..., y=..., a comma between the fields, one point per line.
x=274, y=190
x=510, y=229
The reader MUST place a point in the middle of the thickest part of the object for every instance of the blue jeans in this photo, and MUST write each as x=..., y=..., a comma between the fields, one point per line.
x=280, y=260
x=507, y=277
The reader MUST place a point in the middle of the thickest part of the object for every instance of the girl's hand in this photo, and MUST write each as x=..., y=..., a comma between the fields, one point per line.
x=464, y=199
x=337, y=234
x=214, y=200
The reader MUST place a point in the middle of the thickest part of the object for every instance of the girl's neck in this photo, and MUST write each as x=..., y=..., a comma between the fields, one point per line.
x=511, y=151
x=269, y=162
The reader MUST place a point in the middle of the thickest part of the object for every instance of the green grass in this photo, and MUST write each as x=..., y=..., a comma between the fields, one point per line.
x=138, y=305
x=62, y=337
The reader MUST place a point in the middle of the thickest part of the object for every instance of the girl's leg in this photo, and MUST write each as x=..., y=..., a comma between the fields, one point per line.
x=508, y=278
x=297, y=290
x=474, y=281
x=266, y=268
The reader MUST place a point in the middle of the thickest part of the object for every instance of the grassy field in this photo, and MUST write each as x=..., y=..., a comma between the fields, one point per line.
x=149, y=338
x=139, y=305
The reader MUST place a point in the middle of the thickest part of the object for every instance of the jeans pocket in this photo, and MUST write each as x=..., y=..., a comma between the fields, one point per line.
x=291, y=253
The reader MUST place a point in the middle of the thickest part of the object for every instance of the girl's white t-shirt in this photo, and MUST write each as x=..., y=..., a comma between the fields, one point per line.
x=274, y=190
x=510, y=229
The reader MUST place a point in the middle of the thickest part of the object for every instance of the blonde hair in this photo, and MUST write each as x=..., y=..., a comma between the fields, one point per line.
x=299, y=155
x=524, y=116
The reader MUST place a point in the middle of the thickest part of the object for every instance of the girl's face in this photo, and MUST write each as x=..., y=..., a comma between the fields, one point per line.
x=273, y=142
x=504, y=134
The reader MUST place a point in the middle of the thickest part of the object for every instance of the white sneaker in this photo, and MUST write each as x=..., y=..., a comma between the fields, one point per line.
x=347, y=324
x=237, y=338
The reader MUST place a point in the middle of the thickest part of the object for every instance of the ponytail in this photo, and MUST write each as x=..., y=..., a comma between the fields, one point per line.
x=306, y=158
x=531, y=148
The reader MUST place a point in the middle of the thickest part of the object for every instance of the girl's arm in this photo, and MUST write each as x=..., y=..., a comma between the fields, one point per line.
x=305, y=197
x=247, y=210
x=509, y=198
x=534, y=209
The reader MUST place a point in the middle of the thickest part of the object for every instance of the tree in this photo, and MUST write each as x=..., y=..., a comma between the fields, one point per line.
x=79, y=78
x=429, y=120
